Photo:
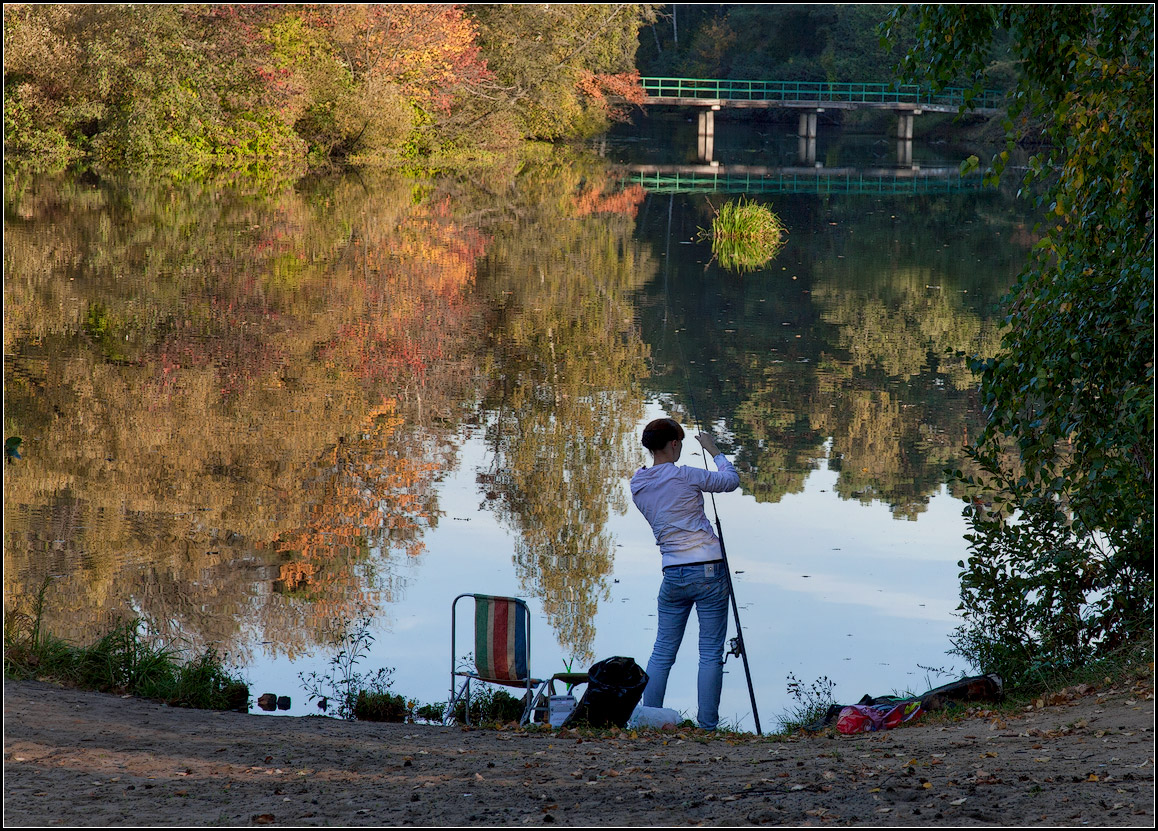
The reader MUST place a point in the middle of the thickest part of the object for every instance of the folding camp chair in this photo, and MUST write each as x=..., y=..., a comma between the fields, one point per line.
x=502, y=653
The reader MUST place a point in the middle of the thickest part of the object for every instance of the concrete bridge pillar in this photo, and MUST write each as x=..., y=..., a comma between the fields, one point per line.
x=808, y=123
x=905, y=136
x=707, y=134
x=905, y=124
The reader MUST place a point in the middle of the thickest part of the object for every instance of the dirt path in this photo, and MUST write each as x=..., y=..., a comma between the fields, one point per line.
x=82, y=758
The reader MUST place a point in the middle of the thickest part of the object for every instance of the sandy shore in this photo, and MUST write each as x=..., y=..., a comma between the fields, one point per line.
x=89, y=759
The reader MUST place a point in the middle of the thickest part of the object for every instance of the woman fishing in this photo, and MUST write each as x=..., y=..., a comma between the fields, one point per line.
x=694, y=570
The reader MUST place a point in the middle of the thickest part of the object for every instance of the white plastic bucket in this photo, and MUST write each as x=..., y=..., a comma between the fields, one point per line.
x=558, y=708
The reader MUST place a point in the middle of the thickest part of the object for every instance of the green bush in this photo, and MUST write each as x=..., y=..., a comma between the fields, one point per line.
x=490, y=706
x=381, y=706
x=1061, y=564
x=123, y=661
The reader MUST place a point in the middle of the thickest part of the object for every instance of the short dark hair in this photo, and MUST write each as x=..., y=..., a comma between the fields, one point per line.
x=658, y=433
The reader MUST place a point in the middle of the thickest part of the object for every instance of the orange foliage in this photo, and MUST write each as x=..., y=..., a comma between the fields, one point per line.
x=593, y=200
x=428, y=49
x=611, y=93
x=295, y=574
x=371, y=491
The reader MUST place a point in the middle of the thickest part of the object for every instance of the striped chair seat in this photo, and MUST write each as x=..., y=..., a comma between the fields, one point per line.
x=501, y=628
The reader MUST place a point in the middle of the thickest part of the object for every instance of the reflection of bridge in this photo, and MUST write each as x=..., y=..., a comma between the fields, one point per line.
x=712, y=178
x=811, y=98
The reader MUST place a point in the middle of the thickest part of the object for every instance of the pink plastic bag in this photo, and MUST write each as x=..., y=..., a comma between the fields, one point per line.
x=862, y=718
x=858, y=718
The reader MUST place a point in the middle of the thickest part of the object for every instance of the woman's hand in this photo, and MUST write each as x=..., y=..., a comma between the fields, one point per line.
x=708, y=443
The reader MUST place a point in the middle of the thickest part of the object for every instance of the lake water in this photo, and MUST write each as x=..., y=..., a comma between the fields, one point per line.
x=252, y=409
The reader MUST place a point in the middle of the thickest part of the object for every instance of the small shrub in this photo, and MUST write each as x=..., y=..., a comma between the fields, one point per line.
x=205, y=685
x=124, y=662
x=381, y=706
x=491, y=706
x=342, y=682
x=812, y=702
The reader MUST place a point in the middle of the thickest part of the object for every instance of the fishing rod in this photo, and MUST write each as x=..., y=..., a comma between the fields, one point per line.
x=737, y=643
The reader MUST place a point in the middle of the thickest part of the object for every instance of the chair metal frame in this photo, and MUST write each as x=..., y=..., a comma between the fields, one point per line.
x=516, y=661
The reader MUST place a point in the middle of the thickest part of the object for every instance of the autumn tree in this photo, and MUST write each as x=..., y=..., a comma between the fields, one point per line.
x=554, y=65
x=377, y=80
x=130, y=85
x=232, y=85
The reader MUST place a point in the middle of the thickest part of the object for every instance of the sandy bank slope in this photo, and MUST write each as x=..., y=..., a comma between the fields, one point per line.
x=80, y=758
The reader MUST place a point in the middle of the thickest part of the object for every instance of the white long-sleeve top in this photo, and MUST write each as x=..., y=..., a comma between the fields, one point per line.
x=671, y=498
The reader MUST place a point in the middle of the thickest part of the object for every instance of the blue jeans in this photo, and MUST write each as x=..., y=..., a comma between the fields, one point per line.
x=706, y=588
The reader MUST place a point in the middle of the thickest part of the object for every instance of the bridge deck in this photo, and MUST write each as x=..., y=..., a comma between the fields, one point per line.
x=805, y=104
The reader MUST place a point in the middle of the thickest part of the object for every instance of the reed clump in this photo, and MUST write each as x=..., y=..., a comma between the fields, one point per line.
x=745, y=235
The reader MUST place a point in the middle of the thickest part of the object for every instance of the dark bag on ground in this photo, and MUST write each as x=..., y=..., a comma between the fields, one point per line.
x=614, y=687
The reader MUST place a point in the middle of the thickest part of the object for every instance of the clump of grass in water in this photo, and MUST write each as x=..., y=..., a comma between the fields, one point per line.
x=745, y=235
x=123, y=661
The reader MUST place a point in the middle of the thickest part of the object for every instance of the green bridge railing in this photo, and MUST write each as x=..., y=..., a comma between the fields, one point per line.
x=802, y=183
x=802, y=91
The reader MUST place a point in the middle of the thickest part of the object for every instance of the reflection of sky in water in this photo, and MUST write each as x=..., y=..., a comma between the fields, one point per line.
x=827, y=587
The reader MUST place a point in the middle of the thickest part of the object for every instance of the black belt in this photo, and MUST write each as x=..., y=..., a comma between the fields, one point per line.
x=700, y=563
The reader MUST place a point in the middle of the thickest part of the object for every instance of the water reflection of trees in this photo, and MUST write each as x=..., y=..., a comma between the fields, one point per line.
x=845, y=351
x=234, y=404
x=565, y=363
x=237, y=405
x=903, y=329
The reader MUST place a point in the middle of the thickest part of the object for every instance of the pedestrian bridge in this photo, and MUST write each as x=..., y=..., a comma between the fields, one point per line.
x=811, y=98
x=823, y=95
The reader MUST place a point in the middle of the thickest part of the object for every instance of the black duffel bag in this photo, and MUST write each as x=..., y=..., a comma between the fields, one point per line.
x=614, y=687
